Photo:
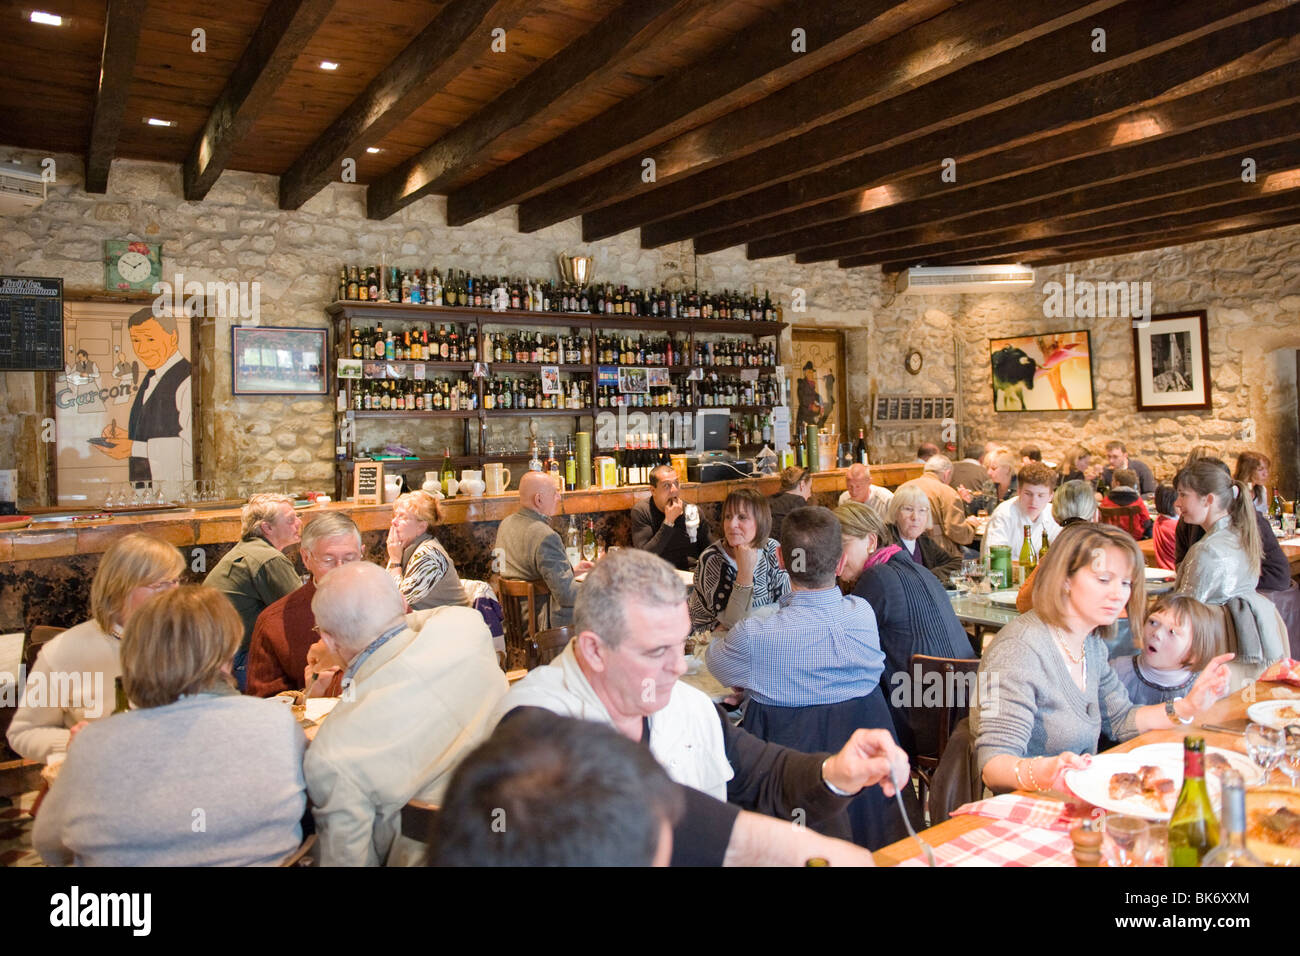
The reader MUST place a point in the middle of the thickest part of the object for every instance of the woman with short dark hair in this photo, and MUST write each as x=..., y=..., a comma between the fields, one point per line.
x=741, y=571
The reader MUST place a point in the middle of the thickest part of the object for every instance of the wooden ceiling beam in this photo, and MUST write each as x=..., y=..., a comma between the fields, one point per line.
x=905, y=61
x=122, y=22
x=1020, y=126
x=1260, y=224
x=283, y=33
x=575, y=71
x=455, y=39
x=1171, y=227
x=1148, y=170
x=757, y=59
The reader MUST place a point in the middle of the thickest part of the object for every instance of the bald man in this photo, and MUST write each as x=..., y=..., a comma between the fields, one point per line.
x=861, y=490
x=528, y=547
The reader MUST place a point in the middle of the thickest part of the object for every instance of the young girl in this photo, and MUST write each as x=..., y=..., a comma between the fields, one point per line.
x=1179, y=638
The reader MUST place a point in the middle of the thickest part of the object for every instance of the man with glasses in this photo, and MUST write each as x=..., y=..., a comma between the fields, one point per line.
x=631, y=622
x=277, y=653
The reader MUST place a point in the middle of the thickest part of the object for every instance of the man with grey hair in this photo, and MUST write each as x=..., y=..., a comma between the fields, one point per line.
x=277, y=653
x=413, y=705
x=860, y=489
x=621, y=668
x=255, y=573
x=950, y=528
x=527, y=547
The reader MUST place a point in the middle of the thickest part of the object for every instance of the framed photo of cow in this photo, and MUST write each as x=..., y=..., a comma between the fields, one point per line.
x=1042, y=373
x=1171, y=358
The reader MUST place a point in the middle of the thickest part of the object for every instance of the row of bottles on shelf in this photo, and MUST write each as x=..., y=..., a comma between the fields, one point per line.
x=527, y=393
x=659, y=396
x=626, y=350
x=751, y=430
x=721, y=393
x=441, y=344
x=408, y=395
x=735, y=352
x=574, y=349
x=462, y=290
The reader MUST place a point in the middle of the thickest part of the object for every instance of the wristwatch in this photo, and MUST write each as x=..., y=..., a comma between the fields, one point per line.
x=1172, y=714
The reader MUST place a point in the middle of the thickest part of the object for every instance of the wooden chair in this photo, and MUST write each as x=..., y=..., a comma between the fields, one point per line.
x=41, y=634
x=955, y=706
x=520, y=628
x=1125, y=516
x=550, y=644
x=302, y=856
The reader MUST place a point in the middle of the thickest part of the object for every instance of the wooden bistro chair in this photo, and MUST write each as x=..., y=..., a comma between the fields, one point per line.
x=948, y=670
x=41, y=634
x=303, y=856
x=1121, y=516
x=520, y=624
x=550, y=644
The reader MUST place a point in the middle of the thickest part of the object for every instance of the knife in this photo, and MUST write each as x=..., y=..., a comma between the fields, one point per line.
x=1219, y=728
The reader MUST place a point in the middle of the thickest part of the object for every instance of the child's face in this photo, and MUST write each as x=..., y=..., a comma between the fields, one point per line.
x=1166, y=642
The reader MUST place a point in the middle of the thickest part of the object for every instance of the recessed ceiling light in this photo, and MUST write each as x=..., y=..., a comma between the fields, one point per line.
x=154, y=121
x=373, y=149
x=49, y=19
x=328, y=65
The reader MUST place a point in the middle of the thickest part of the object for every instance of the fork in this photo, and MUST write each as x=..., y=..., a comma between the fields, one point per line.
x=902, y=809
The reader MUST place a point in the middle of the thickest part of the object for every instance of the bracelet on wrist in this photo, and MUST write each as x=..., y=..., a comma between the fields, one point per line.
x=1033, y=783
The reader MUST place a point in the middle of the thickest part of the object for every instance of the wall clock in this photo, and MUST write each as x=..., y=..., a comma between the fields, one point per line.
x=912, y=361
x=131, y=266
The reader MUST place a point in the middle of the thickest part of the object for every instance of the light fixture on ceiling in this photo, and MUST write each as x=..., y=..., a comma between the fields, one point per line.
x=49, y=19
x=155, y=121
x=373, y=149
x=328, y=65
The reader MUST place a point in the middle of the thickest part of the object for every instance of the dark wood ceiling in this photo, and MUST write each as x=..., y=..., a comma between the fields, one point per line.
x=1056, y=148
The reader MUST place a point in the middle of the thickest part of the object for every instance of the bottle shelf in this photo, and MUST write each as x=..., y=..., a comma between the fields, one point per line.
x=392, y=463
x=525, y=367
x=434, y=413
x=436, y=365
x=524, y=412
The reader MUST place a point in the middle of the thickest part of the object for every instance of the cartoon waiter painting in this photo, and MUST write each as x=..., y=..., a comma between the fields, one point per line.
x=159, y=437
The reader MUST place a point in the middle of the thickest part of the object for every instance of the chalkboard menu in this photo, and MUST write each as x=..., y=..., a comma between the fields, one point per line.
x=31, y=324
x=368, y=483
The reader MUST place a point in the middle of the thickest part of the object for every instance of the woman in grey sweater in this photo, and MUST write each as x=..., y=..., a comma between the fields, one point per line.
x=1047, y=689
x=198, y=775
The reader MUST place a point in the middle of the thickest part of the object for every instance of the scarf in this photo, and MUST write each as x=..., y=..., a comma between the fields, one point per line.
x=881, y=555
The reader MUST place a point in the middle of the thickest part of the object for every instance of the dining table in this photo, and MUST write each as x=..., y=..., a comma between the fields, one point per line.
x=1290, y=548
x=967, y=826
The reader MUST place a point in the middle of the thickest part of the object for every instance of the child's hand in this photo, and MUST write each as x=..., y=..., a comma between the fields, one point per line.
x=1211, y=685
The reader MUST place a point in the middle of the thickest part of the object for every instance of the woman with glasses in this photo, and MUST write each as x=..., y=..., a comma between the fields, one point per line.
x=85, y=658
x=910, y=521
x=417, y=561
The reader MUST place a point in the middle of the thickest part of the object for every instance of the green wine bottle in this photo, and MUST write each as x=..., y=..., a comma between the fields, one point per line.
x=1027, y=559
x=120, y=703
x=1193, y=828
x=448, y=474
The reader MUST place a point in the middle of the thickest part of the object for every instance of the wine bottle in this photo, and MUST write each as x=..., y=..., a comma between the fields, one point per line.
x=1232, y=849
x=553, y=465
x=535, y=462
x=1027, y=561
x=120, y=703
x=1042, y=550
x=447, y=475
x=860, y=449
x=573, y=543
x=589, y=541
x=1193, y=829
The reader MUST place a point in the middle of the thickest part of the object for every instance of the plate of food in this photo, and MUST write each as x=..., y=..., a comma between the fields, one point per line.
x=1159, y=574
x=1004, y=598
x=314, y=708
x=1273, y=824
x=1145, y=781
x=1275, y=713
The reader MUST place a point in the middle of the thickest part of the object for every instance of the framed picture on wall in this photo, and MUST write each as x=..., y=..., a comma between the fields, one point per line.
x=1042, y=373
x=274, y=361
x=1171, y=359
x=819, y=396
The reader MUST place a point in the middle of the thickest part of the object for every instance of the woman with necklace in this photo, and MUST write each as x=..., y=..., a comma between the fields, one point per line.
x=1047, y=689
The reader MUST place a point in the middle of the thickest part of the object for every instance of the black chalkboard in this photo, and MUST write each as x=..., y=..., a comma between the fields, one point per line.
x=31, y=324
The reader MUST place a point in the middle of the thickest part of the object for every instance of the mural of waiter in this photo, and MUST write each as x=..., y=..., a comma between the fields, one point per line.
x=159, y=437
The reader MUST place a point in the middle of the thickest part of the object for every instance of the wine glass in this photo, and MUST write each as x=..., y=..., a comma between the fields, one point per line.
x=1124, y=836
x=1291, y=763
x=1266, y=746
x=975, y=573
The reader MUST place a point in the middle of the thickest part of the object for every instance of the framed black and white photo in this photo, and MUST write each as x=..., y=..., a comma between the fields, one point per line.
x=276, y=361
x=1171, y=358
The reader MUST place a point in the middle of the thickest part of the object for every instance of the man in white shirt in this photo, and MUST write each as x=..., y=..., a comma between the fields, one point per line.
x=861, y=490
x=1031, y=506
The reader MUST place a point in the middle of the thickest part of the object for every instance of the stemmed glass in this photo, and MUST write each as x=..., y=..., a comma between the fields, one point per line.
x=975, y=573
x=1124, y=835
x=1291, y=765
x=1266, y=746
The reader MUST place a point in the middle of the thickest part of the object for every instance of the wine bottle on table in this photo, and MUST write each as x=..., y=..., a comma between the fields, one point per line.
x=589, y=541
x=1042, y=550
x=120, y=703
x=1232, y=849
x=1027, y=559
x=1193, y=829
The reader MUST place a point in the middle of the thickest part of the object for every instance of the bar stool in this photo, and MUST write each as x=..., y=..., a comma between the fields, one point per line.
x=521, y=630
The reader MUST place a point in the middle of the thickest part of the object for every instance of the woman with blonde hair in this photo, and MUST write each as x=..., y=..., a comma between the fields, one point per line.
x=417, y=561
x=1001, y=466
x=133, y=570
x=909, y=521
x=741, y=571
x=196, y=774
x=1052, y=691
x=913, y=614
x=1076, y=465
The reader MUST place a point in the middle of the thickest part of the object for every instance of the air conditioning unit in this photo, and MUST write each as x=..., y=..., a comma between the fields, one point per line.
x=944, y=280
x=21, y=190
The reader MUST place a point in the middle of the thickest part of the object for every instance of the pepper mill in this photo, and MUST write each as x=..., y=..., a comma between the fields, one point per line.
x=1087, y=839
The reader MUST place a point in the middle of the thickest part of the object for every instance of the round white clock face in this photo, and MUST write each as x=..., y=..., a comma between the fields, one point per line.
x=133, y=266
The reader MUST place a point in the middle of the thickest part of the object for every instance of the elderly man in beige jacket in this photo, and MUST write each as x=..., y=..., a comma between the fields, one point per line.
x=413, y=705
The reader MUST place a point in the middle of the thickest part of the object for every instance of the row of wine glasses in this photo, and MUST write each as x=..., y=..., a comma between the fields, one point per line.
x=144, y=494
x=1271, y=747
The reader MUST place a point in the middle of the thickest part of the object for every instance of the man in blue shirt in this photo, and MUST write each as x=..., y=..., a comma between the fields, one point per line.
x=820, y=647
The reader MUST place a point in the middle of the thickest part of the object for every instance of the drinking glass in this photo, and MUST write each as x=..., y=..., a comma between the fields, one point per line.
x=1266, y=746
x=975, y=574
x=1125, y=839
x=961, y=583
x=1291, y=761
x=1155, y=848
x=1288, y=524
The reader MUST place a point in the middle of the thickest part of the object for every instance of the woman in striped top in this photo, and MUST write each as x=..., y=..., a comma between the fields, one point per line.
x=418, y=563
x=741, y=571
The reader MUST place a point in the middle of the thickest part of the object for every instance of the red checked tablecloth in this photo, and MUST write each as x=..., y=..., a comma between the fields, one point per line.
x=1028, y=832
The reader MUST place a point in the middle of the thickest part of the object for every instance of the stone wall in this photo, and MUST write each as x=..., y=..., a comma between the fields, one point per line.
x=1249, y=284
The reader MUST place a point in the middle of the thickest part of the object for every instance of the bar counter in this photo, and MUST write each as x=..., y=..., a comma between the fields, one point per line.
x=46, y=570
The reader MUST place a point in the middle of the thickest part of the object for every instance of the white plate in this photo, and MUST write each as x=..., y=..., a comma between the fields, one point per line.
x=1093, y=784
x=317, y=707
x=1266, y=712
x=1004, y=598
x=1159, y=574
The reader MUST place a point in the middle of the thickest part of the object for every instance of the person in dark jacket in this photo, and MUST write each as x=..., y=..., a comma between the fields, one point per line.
x=659, y=523
x=910, y=521
x=914, y=616
x=796, y=490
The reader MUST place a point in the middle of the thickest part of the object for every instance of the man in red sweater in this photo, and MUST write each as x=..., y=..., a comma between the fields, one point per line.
x=277, y=653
